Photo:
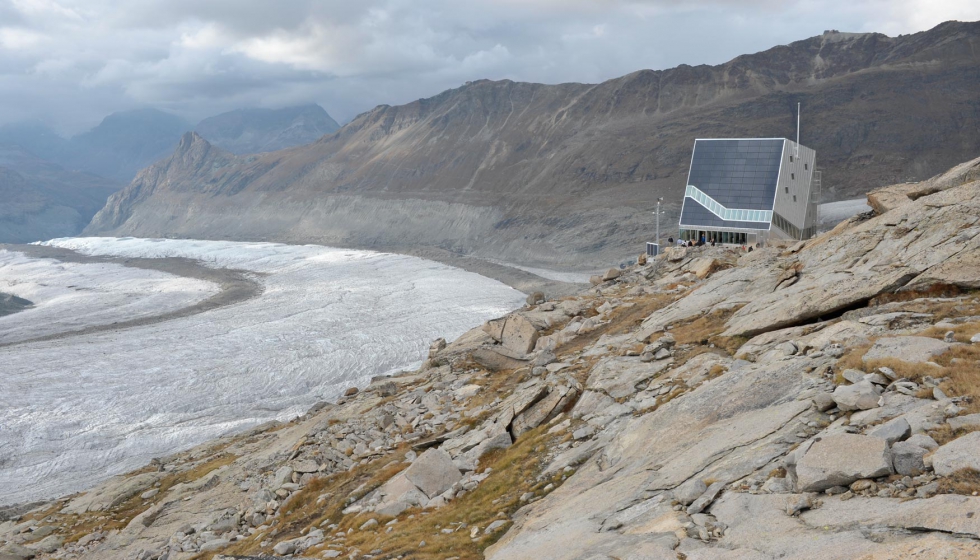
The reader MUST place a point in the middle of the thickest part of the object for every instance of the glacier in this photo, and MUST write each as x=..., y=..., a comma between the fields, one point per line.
x=80, y=408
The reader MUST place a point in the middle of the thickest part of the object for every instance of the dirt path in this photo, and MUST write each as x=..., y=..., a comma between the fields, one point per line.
x=236, y=286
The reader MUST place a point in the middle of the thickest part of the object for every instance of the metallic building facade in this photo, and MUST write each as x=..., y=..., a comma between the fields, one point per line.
x=749, y=190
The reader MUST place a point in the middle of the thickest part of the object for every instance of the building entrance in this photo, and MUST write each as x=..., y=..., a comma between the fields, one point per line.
x=723, y=237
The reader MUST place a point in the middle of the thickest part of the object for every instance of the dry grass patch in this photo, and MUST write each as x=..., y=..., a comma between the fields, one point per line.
x=496, y=384
x=964, y=481
x=961, y=333
x=729, y=344
x=943, y=434
x=852, y=359
x=305, y=510
x=962, y=366
x=514, y=472
x=934, y=291
x=621, y=320
x=703, y=329
x=716, y=371
x=121, y=515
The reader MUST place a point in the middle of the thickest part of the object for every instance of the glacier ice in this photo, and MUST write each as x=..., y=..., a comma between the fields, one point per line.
x=76, y=410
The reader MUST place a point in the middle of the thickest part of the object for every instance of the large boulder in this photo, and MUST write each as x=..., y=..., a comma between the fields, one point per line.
x=860, y=396
x=907, y=459
x=703, y=267
x=495, y=328
x=519, y=334
x=611, y=274
x=686, y=493
x=839, y=460
x=543, y=410
x=433, y=472
x=15, y=551
x=399, y=494
x=961, y=453
x=912, y=349
x=675, y=254
x=894, y=430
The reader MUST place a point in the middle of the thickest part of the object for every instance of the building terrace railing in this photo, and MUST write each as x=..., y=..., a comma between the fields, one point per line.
x=728, y=214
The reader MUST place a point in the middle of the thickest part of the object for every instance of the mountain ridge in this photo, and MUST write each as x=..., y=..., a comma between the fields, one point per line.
x=563, y=174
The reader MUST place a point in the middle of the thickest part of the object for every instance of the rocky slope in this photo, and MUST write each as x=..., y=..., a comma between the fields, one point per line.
x=42, y=200
x=251, y=131
x=818, y=400
x=564, y=174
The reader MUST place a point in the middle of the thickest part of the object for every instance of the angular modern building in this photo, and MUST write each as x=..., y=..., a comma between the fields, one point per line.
x=750, y=190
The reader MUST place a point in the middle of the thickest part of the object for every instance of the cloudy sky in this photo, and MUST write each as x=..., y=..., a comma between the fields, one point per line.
x=71, y=62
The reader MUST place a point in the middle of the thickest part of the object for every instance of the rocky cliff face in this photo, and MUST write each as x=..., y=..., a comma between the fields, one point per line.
x=709, y=403
x=565, y=174
x=251, y=131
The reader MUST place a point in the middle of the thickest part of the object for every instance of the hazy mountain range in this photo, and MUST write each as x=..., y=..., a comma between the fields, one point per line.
x=250, y=131
x=52, y=186
x=566, y=174
x=42, y=200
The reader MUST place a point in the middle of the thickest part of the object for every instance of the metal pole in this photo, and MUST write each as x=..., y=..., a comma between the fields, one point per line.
x=658, y=226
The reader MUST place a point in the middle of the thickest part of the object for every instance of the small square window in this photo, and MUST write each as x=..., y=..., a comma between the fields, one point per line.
x=806, y=166
x=794, y=198
x=792, y=176
x=787, y=190
x=791, y=159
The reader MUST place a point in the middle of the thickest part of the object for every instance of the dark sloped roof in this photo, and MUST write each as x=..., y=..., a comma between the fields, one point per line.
x=737, y=173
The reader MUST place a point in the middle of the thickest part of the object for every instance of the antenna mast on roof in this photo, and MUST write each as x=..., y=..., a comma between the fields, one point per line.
x=797, y=129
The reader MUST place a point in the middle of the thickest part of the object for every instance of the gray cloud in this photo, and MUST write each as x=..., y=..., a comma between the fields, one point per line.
x=71, y=62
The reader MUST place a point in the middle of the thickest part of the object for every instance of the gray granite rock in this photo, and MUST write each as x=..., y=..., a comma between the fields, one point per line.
x=896, y=429
x=859, y=396
x=969, y=421
x=433, y=472
x=923, y=441
x=913, y=349
x=961, y=453
x=907, y=459
x=689, y=491
x=838, y=460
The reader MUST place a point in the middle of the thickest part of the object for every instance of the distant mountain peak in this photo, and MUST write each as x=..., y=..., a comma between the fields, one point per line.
x=189, y=141
x=254, y=130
